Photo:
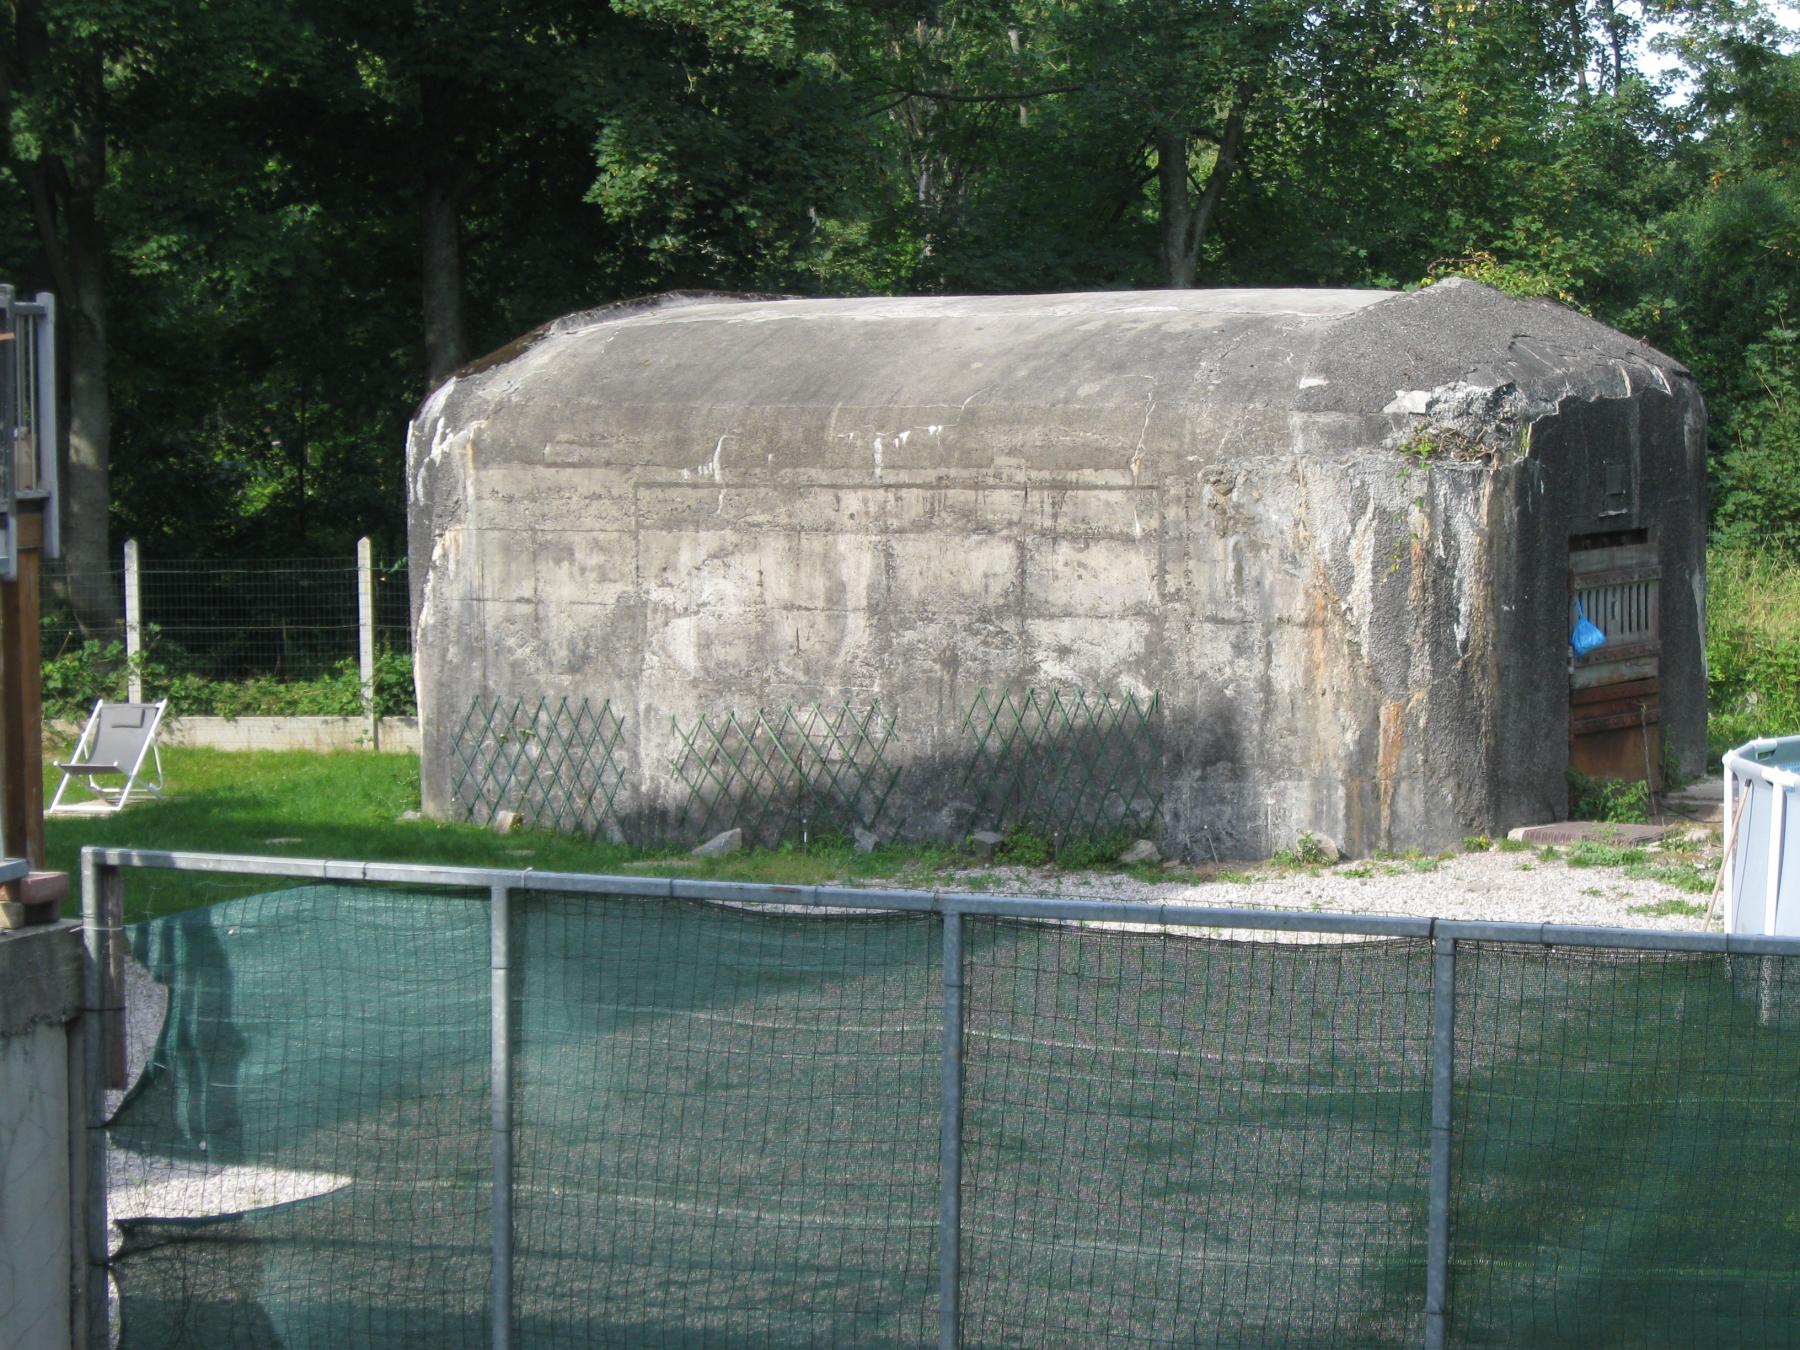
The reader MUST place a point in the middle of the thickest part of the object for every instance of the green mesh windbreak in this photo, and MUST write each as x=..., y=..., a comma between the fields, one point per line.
x=727, y=1125
x=321, y=1039
x=1174, y=1140
x=1627, y=1143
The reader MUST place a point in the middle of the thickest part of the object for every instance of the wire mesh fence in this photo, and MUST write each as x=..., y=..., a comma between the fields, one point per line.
x=439, y=1107
x=230, y=638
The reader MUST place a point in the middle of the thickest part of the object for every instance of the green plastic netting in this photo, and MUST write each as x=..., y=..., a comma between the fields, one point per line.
x=727, y=1125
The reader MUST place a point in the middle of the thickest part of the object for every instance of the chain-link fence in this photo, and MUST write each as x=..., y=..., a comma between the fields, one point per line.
x=413, y=1106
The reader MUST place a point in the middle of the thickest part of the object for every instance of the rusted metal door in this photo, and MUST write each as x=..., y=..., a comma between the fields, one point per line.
x=1615, y=692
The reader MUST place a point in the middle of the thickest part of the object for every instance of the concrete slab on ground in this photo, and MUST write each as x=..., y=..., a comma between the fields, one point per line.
x=1599, y=831
x=1699, y=803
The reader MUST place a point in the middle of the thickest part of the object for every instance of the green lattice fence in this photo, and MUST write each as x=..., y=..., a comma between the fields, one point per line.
x=791, y=774
x=1067, y=763
x=558, y=765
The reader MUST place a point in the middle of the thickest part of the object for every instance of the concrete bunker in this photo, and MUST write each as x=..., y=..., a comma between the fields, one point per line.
x=1308, y=557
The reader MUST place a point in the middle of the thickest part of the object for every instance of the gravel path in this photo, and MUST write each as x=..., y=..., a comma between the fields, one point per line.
x=1523, y=886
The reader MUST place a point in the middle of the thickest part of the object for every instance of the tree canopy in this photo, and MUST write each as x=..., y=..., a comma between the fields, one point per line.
x=273, y=225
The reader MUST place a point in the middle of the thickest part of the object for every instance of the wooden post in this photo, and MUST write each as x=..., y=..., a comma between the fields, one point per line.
x=134, y=624
x=21, y=705
x=365, y=633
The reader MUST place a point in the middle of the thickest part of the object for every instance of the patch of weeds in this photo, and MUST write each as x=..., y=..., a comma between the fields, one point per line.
x=1024, y=848
x=1359, y=872
x=1592, y=890
x=1682, y=876
x=1513, y=846
x=1615, y=800
x=1093, y=853
x=1670, y=908
x=1548, y=853
x=1476, y=843
x=1592, y=853
x=1234, y=876
x=1306, y=852
x=1524, y=867
x=1424, y=864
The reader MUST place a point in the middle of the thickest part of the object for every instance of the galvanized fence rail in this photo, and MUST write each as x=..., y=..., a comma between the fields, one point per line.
x=1452, y=1048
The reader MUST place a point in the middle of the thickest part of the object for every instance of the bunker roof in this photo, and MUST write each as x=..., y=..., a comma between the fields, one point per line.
x=1201, y=373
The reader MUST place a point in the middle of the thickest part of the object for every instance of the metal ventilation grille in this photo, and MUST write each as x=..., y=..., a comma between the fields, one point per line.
x=1626, y=611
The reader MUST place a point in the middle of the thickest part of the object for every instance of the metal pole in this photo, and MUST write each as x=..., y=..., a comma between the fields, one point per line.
x=365, y=634
x=500, y=1094
x=950, y=1142
x=1437, y=1231
x=134, y=624
x=98, y=940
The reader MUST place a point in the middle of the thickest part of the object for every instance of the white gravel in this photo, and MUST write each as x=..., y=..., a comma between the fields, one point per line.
x=1511, y=887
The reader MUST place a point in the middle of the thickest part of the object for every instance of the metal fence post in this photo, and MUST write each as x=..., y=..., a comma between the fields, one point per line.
x=1437, y=1229
x=365, y=634
x=500, y=1095
x=950, y=1142
x=134, y=624
x=100, y=939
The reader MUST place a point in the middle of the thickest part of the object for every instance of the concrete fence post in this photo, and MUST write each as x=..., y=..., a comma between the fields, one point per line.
x=134, y=624
x=365, y=634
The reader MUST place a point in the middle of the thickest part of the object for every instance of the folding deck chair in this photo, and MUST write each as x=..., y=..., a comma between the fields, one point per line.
x=117, y=739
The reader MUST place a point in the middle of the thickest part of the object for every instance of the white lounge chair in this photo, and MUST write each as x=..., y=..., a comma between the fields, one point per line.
x=116, y=741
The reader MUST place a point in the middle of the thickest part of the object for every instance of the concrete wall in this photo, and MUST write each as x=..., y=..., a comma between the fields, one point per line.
x=42, y=1139
x=1329, y=529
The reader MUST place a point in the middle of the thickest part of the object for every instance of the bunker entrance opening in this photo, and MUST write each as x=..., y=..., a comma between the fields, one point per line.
x=1615, y=691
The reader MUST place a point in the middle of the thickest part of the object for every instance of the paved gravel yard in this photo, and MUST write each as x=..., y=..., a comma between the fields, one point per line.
x=1518, y=886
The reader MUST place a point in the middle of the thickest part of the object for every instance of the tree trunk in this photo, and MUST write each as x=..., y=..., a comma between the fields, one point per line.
x=1185, y=223
x=86, y=488
x=446, y=346
x=1578, y=39
x=1175, y=211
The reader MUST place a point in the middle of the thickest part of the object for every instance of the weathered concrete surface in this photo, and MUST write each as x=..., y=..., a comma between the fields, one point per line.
x=1331, y=528
x=40, y=1000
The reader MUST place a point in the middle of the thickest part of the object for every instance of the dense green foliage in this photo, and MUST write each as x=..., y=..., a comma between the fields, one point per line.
x=1752, y=648
x=263, y=270
x=75, y=679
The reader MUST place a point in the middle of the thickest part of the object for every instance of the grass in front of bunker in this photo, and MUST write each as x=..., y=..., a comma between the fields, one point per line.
x=356, y=805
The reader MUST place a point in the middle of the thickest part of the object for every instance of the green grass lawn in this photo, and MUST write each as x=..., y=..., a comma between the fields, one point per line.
x=349, y=805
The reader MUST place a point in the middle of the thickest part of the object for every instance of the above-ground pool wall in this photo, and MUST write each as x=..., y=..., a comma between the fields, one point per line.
x=1653, y=444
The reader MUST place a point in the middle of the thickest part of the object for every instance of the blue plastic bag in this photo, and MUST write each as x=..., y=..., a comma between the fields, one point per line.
x=1586, y=636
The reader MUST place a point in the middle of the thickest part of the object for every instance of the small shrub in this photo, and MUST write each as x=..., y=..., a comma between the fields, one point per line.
x=1614, y=800
x=1476, y=843
x=1022, y=848
x=1306, y=852
x=1092, y=853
